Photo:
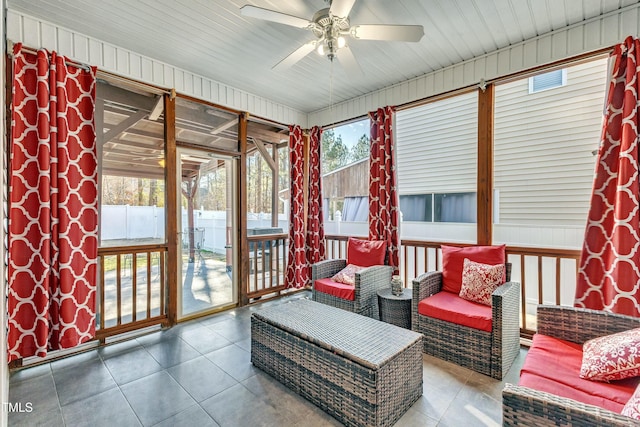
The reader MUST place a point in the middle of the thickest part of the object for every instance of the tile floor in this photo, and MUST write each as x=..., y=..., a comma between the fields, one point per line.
x=199, y=374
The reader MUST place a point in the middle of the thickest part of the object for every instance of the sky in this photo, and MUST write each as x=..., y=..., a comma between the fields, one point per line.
x=353, y=131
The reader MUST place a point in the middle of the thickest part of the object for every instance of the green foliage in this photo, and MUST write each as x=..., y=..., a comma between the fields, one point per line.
x=361, y=149
x=335, y=153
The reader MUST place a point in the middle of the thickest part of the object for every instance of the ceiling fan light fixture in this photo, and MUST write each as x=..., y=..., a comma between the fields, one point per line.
x=320, y=49
x=342, y=42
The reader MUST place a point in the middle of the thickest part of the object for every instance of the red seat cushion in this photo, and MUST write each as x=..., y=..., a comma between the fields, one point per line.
x=453, y=262
x=366, y=253
x=450, y=307
x=340, y=290
x=553, y=366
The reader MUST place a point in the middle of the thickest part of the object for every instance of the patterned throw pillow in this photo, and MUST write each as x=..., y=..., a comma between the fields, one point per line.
x=632, y=407
x=612, y=357
x=480, y=280
x=348, y=274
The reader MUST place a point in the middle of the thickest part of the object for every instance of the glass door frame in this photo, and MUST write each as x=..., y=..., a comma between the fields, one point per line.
x=232, y=227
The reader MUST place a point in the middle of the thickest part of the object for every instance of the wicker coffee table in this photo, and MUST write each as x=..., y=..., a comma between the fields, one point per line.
x=395, y=309
x=361, y=371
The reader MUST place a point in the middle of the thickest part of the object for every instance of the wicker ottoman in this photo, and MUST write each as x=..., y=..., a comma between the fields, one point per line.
x=361, y=371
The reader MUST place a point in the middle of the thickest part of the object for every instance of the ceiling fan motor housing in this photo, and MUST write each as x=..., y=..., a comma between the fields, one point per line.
x=329, y=29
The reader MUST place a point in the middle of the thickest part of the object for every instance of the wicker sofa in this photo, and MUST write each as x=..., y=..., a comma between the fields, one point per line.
x=526, y=406
x=490, y=353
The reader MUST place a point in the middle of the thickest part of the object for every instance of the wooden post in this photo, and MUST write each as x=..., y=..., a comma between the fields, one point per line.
x=485, y=166
x=275, y=173
x=242, y=272
x=171, y=227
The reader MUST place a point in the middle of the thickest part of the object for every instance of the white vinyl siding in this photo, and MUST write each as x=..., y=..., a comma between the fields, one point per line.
x=543, y=161
x=437, y=146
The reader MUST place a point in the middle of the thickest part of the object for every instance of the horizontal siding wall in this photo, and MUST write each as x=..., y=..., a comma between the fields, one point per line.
x=543, y=143
x=557, y=45
x=36, y=33
x=437, y=146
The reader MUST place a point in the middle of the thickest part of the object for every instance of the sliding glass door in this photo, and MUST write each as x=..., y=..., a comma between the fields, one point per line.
x=205, y=222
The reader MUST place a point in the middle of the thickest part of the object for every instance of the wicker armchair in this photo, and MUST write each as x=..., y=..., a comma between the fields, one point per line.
x=525, y=406
x=490, y=353
x=367, y=284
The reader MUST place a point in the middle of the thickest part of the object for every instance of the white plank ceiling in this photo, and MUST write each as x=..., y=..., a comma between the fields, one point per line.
x=211, y=38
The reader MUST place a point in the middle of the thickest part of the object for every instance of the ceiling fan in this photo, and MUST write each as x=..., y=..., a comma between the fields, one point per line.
x=331, y=26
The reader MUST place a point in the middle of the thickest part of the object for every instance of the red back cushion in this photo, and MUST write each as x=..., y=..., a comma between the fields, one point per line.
x=453, y=262
x=366, y=253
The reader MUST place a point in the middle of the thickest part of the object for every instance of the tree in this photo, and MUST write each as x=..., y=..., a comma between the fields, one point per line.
x=335, y=153
x=361, y=149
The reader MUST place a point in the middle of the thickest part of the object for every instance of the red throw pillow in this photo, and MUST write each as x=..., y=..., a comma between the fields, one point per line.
x=366, y=253
x=347, y=275
x=632, y=407
x=453, y=262
x=479, y=281
x=612, y=357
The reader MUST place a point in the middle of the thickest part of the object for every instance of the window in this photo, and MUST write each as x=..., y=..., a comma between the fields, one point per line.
x=543, y=161
x=417, y=207
x=345, y=170
x=441, y=207
x=549, y=80
x=455, y=207
x=437, y=168
x=131, y=156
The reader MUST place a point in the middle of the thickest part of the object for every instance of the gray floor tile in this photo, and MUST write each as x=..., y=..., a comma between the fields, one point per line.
x=204, y=339
x=171, y=351
x=131, y=365
x=75, y=360
x=107, y=409
x=473, y=408
x=233, y=360
x=156, y=397
x=413, y=418
x=40, y=392
x=245, y=344
x=229, y=408
x=234, y=330
x=190, y=417
x=295, y=407
x=84, y=380
x=37, y=417
x=201, y=378
x=29, y=373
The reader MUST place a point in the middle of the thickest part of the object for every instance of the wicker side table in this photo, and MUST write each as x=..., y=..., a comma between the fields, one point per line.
x=395, y=309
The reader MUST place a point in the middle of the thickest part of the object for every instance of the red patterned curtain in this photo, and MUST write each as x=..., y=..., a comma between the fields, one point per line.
x=609, y=274
x=306, y=230
x=53, y=212
x=384, y=216
x=315, y=225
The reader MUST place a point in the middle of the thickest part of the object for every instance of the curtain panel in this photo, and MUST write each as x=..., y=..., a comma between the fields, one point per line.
x=384, y=216
x=609, y=272
x=306, y=229
x=315, y=224
x=53, y=210
x=297, y=269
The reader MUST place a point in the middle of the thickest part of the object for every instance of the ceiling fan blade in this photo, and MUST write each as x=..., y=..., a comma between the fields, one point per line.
x=406, y=33
x=349, y=62
x=296, y=56
x=341, y=8
x=273, y=16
